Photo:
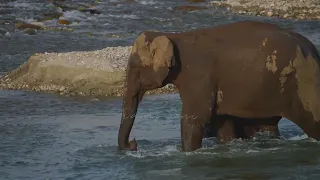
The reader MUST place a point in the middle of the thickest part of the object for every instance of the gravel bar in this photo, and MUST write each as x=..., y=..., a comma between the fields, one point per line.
x=81, y=73
x=289, y=9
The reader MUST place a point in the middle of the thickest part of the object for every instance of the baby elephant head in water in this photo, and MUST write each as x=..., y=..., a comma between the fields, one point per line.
x=152, y=58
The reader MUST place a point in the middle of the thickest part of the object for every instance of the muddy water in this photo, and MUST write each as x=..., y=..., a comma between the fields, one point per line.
x=51, y=137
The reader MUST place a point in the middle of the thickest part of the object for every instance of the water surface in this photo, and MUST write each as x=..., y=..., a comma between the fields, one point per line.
x=45, y=136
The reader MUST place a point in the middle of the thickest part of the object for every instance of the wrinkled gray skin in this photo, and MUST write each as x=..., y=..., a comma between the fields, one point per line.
x=237, y=77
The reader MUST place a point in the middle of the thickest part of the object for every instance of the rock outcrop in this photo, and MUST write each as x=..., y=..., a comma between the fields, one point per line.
x=290, y=9
x=82, y=73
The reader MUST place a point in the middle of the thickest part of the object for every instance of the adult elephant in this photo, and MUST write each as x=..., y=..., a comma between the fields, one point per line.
x=244, y=71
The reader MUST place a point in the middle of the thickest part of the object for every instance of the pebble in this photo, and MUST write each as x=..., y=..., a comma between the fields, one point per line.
x=269, y=13
x=62, y=88
x=298, y=9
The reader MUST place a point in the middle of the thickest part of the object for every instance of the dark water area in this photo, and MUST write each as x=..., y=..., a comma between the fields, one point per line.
x=44, y=136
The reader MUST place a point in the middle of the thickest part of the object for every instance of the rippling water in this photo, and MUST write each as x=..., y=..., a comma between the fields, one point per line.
x=46, y=136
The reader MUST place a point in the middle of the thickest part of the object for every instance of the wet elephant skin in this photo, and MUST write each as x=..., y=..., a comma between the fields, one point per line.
x=233, y=80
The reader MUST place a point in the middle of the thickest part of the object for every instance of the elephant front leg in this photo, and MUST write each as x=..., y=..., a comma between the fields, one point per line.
x=191, y=133
x=196, y=113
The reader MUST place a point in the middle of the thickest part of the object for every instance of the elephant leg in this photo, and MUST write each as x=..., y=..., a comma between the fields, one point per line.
x=196, y=113
x=306, y=121
x=191, y=133
x=209, y=129
x=247, y=128
x=225, y=128
x=192, y=127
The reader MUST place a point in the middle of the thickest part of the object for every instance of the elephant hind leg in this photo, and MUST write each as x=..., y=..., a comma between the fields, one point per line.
x=247, y=128
x=226, y=130
x=223, y=128
x=210, y=129
x=307, y=123
x=226, y=127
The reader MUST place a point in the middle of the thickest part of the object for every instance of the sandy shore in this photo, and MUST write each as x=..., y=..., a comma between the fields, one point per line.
x=83, y=73
x=291, y=9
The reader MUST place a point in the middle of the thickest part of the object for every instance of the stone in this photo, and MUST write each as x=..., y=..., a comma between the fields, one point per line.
x=51, y=16
x=91, y=11
x=3, y=31
x=22, y=25
x=30, y=31
x=62, y=88
x=63, y=21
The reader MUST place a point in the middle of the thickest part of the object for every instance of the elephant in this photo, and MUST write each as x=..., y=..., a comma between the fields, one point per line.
x=233, y=79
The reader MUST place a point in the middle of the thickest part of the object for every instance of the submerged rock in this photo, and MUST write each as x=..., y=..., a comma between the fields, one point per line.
x=297, y=9
x=79, y=7
x=196, y=1
x=51, y=16
x=63, y=21
x=23, y=25
x=189, y=8
x=92, y=11
x=82, y=73
x=2, y=31
x=30, y=31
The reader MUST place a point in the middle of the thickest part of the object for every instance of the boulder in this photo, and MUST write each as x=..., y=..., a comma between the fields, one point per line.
x=63, y=21
x=83, y=73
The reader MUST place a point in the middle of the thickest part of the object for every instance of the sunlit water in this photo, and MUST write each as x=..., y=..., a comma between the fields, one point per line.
x=46, y=136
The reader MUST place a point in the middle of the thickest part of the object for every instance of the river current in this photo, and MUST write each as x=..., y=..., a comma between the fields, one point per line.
x=45, y=136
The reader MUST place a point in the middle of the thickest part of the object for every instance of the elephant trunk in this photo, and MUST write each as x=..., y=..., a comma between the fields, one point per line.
x=131, y=101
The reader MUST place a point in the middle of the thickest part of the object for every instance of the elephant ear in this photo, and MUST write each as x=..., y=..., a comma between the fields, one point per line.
x=162, y=53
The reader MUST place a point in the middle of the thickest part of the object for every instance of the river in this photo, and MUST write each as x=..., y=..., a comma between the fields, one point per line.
x=46, y=136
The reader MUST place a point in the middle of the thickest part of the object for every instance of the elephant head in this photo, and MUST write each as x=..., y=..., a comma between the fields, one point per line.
x=148, y=67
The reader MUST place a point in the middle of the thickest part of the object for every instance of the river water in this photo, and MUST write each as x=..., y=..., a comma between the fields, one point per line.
x=45, y=136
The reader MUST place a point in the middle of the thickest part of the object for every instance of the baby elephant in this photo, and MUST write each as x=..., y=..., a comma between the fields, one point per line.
x=240, y=77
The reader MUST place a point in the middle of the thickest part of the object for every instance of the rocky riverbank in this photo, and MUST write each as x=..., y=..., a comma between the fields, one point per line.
x=87, y=73
x=290, y=9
